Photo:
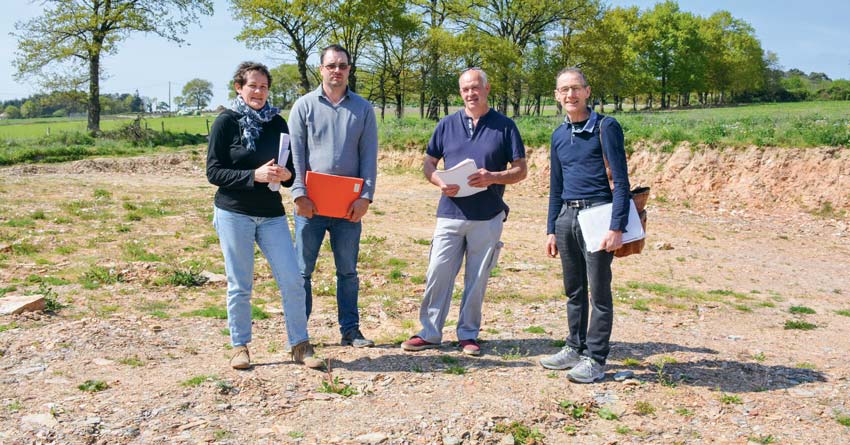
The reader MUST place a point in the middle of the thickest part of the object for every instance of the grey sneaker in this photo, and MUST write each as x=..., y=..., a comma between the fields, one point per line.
x=566, y=358
x=303, y=353
x=355, y=338
x=587, y=371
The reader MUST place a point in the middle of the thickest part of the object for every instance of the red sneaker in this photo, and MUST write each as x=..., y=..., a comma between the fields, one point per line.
x=417, y=344
x=470, y=347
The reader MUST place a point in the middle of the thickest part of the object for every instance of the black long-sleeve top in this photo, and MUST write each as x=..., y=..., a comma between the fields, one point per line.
x=230, y=166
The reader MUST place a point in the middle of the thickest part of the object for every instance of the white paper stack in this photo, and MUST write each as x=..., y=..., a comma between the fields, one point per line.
x=595, y=221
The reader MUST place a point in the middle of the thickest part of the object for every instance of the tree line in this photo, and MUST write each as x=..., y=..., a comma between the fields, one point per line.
x=410, y=51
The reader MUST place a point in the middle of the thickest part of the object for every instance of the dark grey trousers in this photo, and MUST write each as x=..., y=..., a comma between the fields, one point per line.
x=585, y=273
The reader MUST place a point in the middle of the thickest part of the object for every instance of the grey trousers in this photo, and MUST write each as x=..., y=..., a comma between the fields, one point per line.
x=453, y=239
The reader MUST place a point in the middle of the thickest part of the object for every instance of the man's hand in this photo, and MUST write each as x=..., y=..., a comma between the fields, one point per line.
x=357, y=210
x=613, y=240
x=481, y=178
x=304, y=207
x=270, y=172
x=551, y=246
x=450, y=189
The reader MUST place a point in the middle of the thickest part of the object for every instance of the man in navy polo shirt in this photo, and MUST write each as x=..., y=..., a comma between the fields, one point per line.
x=469, y=226
x=578, y=180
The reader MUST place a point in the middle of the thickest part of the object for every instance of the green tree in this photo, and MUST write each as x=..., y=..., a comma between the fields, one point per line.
x=297, y=26
x=71, y=37
x=353, y=24
x=198, y=92
x=397, y=35
x=12, y=112
x=31, y=108
x=286, y=85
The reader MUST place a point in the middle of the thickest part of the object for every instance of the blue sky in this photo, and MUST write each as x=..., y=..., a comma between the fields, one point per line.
x=811, y=36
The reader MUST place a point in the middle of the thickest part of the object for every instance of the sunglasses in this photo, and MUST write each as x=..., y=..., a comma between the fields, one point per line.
x=333, y=66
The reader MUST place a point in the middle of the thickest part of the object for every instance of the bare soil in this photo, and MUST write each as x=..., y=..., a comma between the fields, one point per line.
x=736, y=239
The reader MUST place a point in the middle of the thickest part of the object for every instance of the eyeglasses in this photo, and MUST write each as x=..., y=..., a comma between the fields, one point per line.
x=566, y=89
x=333, y=66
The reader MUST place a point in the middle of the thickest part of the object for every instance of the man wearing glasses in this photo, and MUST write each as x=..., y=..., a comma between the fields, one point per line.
x=578, y=180
x=468, y=226
x=333, y=131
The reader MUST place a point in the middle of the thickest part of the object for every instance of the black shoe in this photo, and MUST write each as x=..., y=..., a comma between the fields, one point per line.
x=355, y=338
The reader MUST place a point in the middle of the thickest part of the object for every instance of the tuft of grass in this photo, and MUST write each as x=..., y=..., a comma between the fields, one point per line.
x=805, y=365
x=102, y=194
x=607, y=414
x=335, y=386
x=186, y=278
x=133, y=362
x=801, y=310
x=801, y=325
x=558, y=343
x=455, y=370
x=515, y=353
x=843, y=312
x=522, y=434
x=93, y=386
x=842, y=419
x=631, y=361
x=135, y=251
x=623, y=429
x=574, y=409
x=422, y=241
x=14, y=406
x=535, y=330
x=764, y=440
x=730, y=399
x=684, y=412
x=208, y=312
x=98, y=276
x=759, y=357
x=644, y=408
x=8, y=327
x=198, y=380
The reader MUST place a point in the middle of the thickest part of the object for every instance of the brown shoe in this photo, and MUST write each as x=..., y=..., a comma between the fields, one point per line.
x=241, y=358
x=303, y=353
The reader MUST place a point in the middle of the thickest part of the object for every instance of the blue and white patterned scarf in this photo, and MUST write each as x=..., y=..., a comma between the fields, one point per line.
x=252, y=120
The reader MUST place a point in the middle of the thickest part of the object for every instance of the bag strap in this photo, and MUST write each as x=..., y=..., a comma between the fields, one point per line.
x=604, y=158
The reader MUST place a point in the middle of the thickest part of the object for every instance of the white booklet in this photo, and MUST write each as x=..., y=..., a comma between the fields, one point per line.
x=282, y=156
x=595, y=221
x=458, y=175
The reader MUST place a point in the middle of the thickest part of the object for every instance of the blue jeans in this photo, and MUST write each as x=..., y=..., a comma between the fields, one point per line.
x=237, y=234
x=345, y=244
x=590, y=317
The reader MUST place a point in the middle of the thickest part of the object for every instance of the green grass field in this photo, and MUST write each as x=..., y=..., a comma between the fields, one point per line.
x=801, y=125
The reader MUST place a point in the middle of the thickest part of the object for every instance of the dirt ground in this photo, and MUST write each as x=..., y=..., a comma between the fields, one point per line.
x=701, y=324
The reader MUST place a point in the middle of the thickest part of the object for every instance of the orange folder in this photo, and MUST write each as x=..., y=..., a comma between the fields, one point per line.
x=332, y=194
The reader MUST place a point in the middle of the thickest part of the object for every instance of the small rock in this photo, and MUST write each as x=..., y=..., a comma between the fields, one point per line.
x=45, y=420
x=734, y=337
x=130, y=432
x=623, y=375
x=103, y=362
x=213, y=277
x=28, y=371
x=371, y=438
x=265, y=432
x=18, y=304
x=449, y=440
x=507, y=440
x=663, y=246
x=631, y=382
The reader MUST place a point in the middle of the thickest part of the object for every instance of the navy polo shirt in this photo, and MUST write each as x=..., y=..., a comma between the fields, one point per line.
x=577, y=169
x=493, y=144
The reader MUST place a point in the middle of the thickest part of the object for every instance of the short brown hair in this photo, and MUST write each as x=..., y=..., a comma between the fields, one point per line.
x=241, y=74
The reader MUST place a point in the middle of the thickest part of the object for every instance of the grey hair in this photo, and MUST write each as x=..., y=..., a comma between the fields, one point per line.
x=480, y=73
x=574, y=70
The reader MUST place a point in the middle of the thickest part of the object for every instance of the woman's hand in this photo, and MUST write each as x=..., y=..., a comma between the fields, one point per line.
x=271, y=172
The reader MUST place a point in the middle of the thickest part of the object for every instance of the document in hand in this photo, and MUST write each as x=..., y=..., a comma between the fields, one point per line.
x=595, y=221
x=332, y=194
x=282, y=157
x=458, y=175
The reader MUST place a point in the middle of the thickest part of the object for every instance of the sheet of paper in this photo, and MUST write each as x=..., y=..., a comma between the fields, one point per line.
x=282, y=156
x=458, y=175
x=595, y=221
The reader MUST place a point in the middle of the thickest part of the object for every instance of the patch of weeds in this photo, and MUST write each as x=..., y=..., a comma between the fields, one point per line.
x=335, y=386
x=395, y=262
x=223, y=386
x=272, y=348
x=552, y=375
x=680, y=259
x=296, y=434
x=571, y=430
x=449, y=360
x=730, y=399
x=104, y=310
x=558, y=343
x=224, y=331
x=607, y=414
x=19, y=222
x=457, y=294
x=159, y=314
x=684, y=412
x=93, y=386
x=801, y=325
x=24, y=248
x=631, y=361
x=641, y=304
x=622, y=429
x=416, y=368
x=455, y=370
x=764, y=440
x=257, y=313
x=372, y=239
x=97, y=276
x=514, y=353
x=522, y=434
x=133, y=362
x=422, y=241
x=842, y=419
x=6, y=290
x=644, y=408
x=135, y=251
x=208, y=312
x=766, y=304
x=492, y=331
x=396, y=275
x=843, y=312
x=38, y=214
x=379, y=212
x=123, y=228
x=743, y=308
x=14, y=406
x=102, y=194
x=417, y=279
x=495, y=272
x=801, y=310
x=535, y=330
x=47, y=279
x=198, y=380
x=209, y=240
x=805, y=365
x=8, y=327
x=221, y=434
x=51, y=299
x=574, y=409
x=663, y=377
x=826, y=210
x=66, y=249
x=759, y=357
x=187, y=278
